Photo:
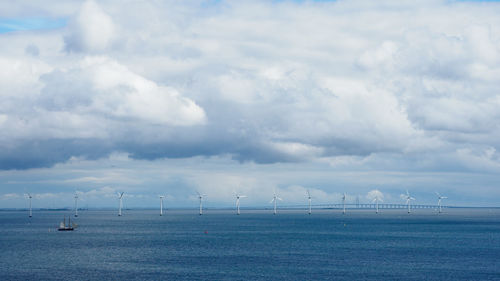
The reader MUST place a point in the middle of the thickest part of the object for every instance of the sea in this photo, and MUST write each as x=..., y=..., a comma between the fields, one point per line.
x=458, y=244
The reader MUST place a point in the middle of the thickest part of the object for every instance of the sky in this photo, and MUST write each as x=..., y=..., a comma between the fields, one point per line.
x=251, y=97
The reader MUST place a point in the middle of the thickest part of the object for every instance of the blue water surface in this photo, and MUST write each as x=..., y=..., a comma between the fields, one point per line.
x=460, y=244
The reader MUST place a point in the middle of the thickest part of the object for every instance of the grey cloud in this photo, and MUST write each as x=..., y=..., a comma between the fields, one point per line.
x=32, y=49
x=45, y=153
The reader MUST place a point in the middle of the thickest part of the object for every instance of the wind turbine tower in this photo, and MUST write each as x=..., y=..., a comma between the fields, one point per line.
x=439, y=200
x=376, y=199
x=408, y=200
x=275, y=199
x=76, y=204
x=200, y=196
x=309, y=198
x=120, y=196
x=238, y=203
x=29, y=197
x=343, y=203
x=161, y=205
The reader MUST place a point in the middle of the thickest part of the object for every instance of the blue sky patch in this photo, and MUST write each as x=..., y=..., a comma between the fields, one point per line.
x=20, y=24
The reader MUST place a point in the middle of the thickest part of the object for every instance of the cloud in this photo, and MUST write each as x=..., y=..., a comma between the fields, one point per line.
x=375, y=194
x=88, y=106
x=91, y=30
x=10, y=196
x=102, y=86
x=296, y=194
x=105, y=191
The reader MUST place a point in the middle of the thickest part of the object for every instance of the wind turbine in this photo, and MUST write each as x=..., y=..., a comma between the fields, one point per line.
x=161, y=205
x=408, y=199
x=238, y=202
x=200, y=196
x=376, y=199
x=309, y=198
x=343, y=203
x=439, y=200
x=120, y=196
x=274, y=200
x=76, y=204
x=29, y=197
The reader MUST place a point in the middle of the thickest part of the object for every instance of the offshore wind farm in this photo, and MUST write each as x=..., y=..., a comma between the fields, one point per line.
x=375, y=203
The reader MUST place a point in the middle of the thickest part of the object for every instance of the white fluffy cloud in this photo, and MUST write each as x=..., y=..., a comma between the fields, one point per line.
x=375, y=195
x=91, y=30
x=98, y=85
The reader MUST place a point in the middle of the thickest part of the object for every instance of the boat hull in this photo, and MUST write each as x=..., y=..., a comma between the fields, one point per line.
x=66, y=229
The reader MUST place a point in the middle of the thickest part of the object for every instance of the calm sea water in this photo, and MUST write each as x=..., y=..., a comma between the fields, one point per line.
x=460, y=244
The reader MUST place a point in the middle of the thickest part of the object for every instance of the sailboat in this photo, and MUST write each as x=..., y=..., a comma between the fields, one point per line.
x=69, y=227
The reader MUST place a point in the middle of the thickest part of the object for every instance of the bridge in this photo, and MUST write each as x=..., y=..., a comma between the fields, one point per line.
x=366, y=206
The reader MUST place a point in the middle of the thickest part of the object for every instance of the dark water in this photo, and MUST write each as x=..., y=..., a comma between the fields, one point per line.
x=461, y=244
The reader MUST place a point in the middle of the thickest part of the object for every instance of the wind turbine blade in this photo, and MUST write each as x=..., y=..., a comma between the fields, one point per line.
x=279, y=198
x=271, y=201
x=243, y=196
x=411, y=198
x=308, y=194
x=444, y=197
